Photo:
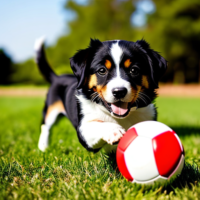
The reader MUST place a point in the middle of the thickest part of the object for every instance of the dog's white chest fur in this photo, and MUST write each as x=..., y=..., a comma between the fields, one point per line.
x=98, y=126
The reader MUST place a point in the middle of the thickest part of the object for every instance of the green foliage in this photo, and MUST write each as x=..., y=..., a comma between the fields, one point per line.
x=67, y=171
x=108, y=21
x=28, y=73
x=102, y=19
x=173, y=30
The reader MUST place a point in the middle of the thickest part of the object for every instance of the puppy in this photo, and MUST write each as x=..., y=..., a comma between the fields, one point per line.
x=113, y=88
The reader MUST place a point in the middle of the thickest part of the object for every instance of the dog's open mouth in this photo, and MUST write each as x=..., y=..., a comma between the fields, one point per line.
x=120, y=109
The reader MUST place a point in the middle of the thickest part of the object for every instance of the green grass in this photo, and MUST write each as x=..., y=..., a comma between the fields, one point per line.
x=67, y=171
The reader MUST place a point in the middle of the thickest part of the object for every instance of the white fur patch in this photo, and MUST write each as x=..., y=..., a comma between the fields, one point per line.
x=97, y=134
x=104, y=134
x=44, y=138
x=39, y=42
x=116, y=53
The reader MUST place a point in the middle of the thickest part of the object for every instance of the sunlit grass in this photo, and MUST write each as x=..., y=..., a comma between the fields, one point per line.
x=67, y=171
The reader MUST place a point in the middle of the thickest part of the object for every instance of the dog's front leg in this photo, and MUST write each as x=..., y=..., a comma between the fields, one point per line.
x=98, y=133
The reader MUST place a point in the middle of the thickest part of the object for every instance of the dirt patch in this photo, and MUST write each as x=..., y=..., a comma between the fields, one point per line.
x=164, y=90
x=21, y=92
x=191, y=90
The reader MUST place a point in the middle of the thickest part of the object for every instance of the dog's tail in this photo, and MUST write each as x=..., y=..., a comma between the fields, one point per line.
x=41, y=61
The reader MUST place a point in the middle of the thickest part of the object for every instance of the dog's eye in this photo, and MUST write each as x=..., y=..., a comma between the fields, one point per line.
x=102, y=71
x=134, y=71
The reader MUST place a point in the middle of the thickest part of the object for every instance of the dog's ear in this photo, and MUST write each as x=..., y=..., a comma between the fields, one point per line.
x=157, y=63
x=80, y=62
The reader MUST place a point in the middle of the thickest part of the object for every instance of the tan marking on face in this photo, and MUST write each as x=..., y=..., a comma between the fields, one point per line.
x=108, y=64
x=102, y=90
x=136, y=93
x=92, y=81
x=145, y=82
x=127, y=63
x=58, y=105
x=96, y=120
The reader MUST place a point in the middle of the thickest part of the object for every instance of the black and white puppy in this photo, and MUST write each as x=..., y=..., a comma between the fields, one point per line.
x=113, y=89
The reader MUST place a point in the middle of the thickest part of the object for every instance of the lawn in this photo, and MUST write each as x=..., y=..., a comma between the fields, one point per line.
x=67, y=171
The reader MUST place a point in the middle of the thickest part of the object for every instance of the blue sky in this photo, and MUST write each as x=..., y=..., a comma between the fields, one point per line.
x=23, y=21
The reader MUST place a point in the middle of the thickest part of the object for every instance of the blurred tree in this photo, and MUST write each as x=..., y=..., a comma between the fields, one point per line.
x=102, y=19
x=174, y=29
x=5, y=67
x=26, y=73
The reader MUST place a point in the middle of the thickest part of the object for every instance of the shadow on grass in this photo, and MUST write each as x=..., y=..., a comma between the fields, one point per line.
x=186, y=130
x=189, y=177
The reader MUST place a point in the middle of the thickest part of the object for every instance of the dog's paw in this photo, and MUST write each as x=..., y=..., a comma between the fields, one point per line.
x=113, y=133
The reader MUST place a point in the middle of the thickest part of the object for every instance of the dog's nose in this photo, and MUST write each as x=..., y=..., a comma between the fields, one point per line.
x=119, y=92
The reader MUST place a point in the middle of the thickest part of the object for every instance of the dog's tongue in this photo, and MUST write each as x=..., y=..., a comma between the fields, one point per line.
x=119, y=108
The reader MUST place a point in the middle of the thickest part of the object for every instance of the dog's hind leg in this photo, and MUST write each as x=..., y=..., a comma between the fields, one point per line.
x=51, y=113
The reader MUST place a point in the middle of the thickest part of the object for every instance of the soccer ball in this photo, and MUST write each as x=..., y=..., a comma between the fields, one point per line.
x=150, y=152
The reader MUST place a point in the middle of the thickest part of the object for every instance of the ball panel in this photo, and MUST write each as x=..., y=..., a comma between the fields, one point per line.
x=140, y=161
x=166, y=157
x=128, y=137
x=151, y=129
x=122, y=165
x=179, y=167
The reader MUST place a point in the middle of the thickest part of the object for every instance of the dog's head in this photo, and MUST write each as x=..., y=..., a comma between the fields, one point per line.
x=118, y=74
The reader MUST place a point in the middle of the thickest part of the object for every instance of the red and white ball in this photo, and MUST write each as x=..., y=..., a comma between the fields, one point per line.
x=150, y=152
